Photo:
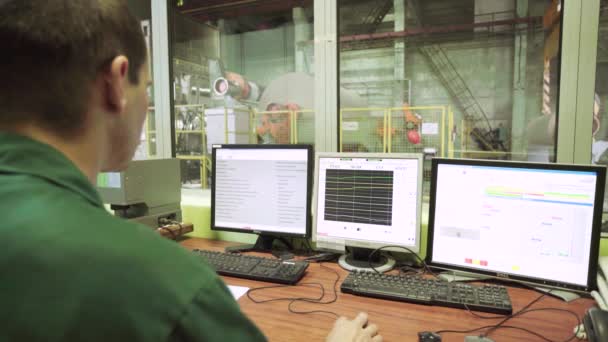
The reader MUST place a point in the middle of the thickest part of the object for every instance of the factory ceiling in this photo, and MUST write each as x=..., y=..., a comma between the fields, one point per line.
x=443, y=19
x=211, y=10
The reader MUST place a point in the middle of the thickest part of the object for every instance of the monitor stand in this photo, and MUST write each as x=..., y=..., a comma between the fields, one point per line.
x=358, y=260
x=264, y=243
x=566, y=296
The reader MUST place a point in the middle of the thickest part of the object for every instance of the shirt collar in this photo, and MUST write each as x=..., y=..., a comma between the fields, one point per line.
x=22, y=155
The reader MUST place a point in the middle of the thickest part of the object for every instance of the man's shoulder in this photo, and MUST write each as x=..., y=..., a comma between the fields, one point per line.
x=57, y=229
x=109, y=268
x=137, y=251
x=74, y=226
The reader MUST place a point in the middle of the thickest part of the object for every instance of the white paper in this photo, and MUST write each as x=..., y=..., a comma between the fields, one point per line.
x=350, y=126
x=237, y=291
x=430, y=128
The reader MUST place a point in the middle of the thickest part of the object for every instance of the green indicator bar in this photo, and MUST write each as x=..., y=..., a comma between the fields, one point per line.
x=567, y=195
x=102, y=179
x=502, y=194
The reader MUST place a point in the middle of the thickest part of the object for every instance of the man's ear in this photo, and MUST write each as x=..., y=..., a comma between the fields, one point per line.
x=116, y=79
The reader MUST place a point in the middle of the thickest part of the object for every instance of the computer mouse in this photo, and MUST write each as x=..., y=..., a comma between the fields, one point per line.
x=596, y=324
x=428, y=336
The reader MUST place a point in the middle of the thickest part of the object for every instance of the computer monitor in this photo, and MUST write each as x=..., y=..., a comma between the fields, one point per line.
x=262, y=189
x=529, y=222
x=365, y=201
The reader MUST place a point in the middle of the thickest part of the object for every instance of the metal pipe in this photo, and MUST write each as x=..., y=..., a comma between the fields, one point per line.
x=223, y=5
x=227, y=9
x=437, y=29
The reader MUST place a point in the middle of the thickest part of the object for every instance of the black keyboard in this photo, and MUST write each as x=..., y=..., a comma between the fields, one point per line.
x=253, y=267
x=415, y=289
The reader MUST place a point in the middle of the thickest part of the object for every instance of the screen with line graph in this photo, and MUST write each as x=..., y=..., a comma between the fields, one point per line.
x=359, y=196
x=368, y=200
x=531, y=222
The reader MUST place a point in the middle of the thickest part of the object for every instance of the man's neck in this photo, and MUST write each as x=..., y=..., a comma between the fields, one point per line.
x=80, y=151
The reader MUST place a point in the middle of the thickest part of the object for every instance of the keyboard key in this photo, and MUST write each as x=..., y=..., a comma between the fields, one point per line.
x=253, y=267
x=414, y=289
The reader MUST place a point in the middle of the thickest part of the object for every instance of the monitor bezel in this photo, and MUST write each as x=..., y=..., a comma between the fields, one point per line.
x=591, y=285
x=309, y=177
x=370, y=244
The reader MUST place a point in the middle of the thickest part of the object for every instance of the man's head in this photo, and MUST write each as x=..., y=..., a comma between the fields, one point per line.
x=72, y=67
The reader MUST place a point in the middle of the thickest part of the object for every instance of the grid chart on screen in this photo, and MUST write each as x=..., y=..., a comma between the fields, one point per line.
x=360, y=196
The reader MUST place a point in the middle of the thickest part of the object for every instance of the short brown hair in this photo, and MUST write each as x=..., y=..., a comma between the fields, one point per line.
x=52, y=52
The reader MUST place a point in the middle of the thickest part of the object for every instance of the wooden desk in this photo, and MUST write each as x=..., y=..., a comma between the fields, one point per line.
x=397, y=321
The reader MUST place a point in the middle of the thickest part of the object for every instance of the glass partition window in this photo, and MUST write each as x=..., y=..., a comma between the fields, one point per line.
x=147, y=148
x=600, y=116
x=242, y=73
x=465, y=78
x=599, y=129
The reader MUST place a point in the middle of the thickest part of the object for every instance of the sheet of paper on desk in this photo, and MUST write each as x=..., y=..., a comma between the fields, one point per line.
x=237, y=291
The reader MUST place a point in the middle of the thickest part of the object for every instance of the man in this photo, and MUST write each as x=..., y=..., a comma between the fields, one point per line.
x=72, y=102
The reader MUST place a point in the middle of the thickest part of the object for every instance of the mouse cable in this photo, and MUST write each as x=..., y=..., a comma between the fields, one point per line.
x=521, y=312
x=409, y=270
x=303, y=246
x=505, y=319
x=422, y=263
x=427, y=269
x=490, y=327
x=504, y=327
x=576, y=331
x=293, y=300
x=292, y=310
x=310, y=249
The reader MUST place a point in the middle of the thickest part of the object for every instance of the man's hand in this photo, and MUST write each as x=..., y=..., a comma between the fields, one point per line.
x=356, y=330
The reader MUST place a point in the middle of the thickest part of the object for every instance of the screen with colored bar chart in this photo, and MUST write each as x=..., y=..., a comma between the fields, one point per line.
x=522, y=221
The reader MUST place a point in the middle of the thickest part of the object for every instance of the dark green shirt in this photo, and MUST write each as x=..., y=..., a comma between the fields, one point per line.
x=70, y=271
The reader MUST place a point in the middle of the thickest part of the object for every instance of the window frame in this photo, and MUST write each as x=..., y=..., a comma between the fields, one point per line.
x=578, y=42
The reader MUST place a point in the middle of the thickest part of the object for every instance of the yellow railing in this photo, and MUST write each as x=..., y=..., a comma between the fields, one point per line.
x=357, y=110
x=202, y=132
x=204, y=160
x=294, y=123
x=419, y=108
x=442, y=115
x=251, y=129
x=286, y=113
x=252, y=116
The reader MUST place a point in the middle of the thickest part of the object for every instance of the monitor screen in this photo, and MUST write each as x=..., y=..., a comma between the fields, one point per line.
x=262, y=189
x=368, y=200
x=536, y=223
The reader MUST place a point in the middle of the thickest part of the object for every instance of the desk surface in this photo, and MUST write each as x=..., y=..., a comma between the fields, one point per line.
x=397, y=321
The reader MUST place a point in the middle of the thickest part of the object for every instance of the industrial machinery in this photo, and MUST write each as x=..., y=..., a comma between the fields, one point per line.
x=148, y=191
